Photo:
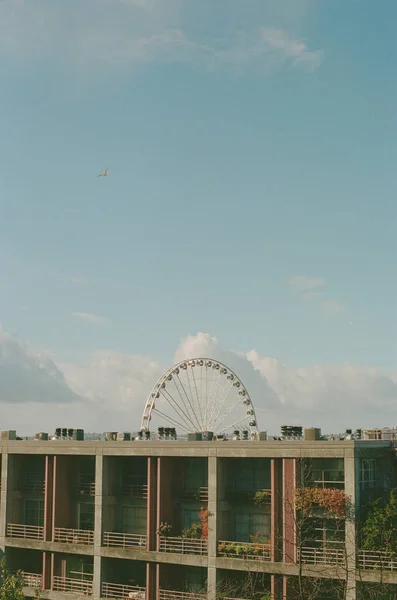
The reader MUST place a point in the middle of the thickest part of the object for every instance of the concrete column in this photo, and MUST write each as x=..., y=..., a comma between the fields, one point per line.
x=351, y=490
x=213, y=516
x=99, y=484
x=289, y=513
x=276, y=587
x=151, y=523
x=6, y=485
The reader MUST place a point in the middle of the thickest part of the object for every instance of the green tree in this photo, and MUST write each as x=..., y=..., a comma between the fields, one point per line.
x=379, y=532
x=10, y=583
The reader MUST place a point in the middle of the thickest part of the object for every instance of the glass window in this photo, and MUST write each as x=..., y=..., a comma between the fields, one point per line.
x=134, y=519
x=34, y=512
x=86, y=511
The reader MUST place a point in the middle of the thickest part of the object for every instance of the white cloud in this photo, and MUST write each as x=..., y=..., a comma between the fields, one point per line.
x=108, y=390
x=313, y=288
x=332, y=307
x=28, y=375
x=90, y=317
x=95, y=36
x=292, y=49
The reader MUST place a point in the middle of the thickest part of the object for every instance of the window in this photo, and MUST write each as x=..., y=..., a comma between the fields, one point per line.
x=86, y=511
x=78, y=568
x=368, y=473
x=190, y=517
x=34, y=512
x=247, y=525
x=134, y=519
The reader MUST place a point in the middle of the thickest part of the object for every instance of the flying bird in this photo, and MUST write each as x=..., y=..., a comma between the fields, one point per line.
x=105, y=173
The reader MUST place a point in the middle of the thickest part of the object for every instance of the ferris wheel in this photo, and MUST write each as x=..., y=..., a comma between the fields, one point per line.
x=200, y=395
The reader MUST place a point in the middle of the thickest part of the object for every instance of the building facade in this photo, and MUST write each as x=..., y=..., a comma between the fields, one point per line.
x=129, y=519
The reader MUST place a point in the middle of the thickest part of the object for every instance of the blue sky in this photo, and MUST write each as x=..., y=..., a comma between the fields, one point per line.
x=252, y=189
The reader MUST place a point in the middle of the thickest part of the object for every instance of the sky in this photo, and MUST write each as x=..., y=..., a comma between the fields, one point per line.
x=249, y=212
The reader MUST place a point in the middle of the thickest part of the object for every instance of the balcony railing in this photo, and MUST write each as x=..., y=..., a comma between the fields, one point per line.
x=180, y=545
x=195, y=494
x=136, y=490
x=321, y=556
x=368, y=559
x=242, y=550
x=124, y=540
x=120, y=591
x=173, y=595
x=72, y=586
x=73, y=536
x=28, y=532
x=32, y=580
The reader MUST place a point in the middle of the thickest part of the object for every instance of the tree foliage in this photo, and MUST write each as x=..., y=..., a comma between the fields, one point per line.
x=11, y=583
x=379, y=532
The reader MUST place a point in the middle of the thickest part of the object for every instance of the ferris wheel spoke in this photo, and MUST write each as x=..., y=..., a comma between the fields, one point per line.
x=234, y=425
x=214, y=403
x=222, y=402
x=170, y=419
x=189, y=413
x=189, y=402
x=227, y=414
x=209, y=396
x=192, y=398
x=174, y=403
x=198, y=399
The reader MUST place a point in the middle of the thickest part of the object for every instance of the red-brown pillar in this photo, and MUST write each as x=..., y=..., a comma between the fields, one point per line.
x=151, y=520
x=289, y=533
x=61, y=509
x=48, y=495
x=47, y=571
x=164, y=493
x=152, y=581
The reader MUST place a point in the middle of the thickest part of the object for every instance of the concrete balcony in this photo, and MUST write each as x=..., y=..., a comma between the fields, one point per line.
x=27, y=532
x=124, y=540
x=244, y=551
x=180, y=545
x=120, y=591
x=73, y=536
x=380, y=561
x=321, y=556
x=174, y=595
x=32, y=580
x=77, y=587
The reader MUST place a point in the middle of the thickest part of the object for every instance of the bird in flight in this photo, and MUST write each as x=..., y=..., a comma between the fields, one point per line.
x=105, y=173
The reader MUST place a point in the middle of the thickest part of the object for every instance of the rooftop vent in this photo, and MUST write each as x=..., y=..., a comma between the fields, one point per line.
x=41, y=436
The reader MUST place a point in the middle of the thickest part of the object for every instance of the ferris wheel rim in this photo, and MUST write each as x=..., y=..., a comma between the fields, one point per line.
x=150, y=402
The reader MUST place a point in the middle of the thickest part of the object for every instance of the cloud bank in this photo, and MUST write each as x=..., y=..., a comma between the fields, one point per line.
x=108, y=391
x=99, y=35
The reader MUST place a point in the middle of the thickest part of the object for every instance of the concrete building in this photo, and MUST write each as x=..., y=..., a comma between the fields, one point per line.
x=89, y=518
